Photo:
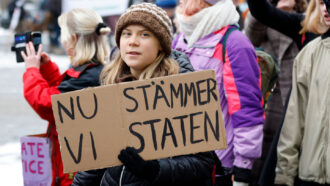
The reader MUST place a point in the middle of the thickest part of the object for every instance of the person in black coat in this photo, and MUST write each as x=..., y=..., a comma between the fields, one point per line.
x=288, y=23
x=145, y=29
x=193, y=169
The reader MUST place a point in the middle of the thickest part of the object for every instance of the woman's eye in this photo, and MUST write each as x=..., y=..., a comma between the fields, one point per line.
x=126, y=33
x=145, y=34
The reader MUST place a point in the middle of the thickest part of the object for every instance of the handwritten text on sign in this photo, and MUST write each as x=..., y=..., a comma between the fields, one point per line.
x=36, y=160
x=160, y=117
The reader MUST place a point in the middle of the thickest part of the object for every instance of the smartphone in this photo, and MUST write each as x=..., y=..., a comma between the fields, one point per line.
x=22, y=39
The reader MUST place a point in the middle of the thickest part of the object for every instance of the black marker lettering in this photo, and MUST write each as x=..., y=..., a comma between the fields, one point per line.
x=159, y=90
x=76, y=160
x=61, y=107
x=145, y=94
x=139, y=136
x=183, y=131
x=176, y=93
x=131, y=98
x=211, y=89
x=192, y=128
x=82, y=113
x=199, y=92
x=171, y=133
x=188, y=91
x=93, y=146
x=215, y=131
x=153, y=131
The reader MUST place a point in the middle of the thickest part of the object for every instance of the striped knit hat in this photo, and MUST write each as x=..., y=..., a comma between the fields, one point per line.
x=150, y=16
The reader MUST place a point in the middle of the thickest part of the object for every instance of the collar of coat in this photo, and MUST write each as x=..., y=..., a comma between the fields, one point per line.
x=127, y=78
x=76, y=71
x=326, y=35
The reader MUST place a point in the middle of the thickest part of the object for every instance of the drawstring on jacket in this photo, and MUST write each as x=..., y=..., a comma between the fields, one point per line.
x=121, y=175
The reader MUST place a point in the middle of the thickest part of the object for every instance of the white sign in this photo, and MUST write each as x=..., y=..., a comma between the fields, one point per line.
x=102, y=7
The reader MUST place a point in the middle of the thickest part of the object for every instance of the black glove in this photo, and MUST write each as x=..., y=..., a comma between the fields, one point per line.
x=133, y=161
x=242, y=175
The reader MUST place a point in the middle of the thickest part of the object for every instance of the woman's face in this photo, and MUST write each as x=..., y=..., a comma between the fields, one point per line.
x=68, y=41
x=68, y=49
x=324, y=13
x=138, y=48
x=191, y=7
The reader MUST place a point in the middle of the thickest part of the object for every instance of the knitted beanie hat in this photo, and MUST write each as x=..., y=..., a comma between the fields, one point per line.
x=150, y=16
x=212, y=2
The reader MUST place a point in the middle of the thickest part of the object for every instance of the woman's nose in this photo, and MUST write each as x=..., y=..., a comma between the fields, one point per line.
x=134, y=41
x=192, y=7
x=191, y=12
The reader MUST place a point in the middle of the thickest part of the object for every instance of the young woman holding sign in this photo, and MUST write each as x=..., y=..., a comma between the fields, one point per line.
x=143, y=35
x=83, y=36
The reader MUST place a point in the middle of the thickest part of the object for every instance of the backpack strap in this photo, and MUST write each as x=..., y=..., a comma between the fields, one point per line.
x=224, y=41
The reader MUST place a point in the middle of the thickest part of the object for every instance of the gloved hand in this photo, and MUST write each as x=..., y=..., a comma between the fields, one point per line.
x=133, y=161
x=237, y=183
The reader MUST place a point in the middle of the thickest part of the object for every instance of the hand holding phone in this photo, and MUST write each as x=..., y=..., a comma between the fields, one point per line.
x=31, y=57
x=22, y=39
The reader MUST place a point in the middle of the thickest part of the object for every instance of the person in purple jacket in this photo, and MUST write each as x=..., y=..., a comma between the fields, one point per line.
x=203, y=24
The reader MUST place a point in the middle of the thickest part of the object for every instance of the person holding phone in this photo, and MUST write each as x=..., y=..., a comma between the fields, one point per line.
x=83, y=35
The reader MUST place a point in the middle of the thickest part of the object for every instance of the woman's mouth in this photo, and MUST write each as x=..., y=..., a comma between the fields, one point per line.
x=133, y=53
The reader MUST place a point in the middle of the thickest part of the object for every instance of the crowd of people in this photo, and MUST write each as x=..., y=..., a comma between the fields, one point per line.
x=282, y=143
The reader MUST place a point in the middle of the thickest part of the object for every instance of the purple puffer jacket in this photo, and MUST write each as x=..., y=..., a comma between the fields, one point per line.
x=239, y=82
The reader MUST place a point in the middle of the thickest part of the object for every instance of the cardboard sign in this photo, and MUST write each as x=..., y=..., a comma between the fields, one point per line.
x=102, y=7
x=36, y=162
x=161, y=117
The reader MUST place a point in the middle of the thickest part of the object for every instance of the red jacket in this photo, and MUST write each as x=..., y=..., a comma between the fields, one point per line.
x=40, y=85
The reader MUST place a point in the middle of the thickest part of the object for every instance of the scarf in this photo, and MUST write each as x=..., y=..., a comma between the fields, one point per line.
x=208, y=20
